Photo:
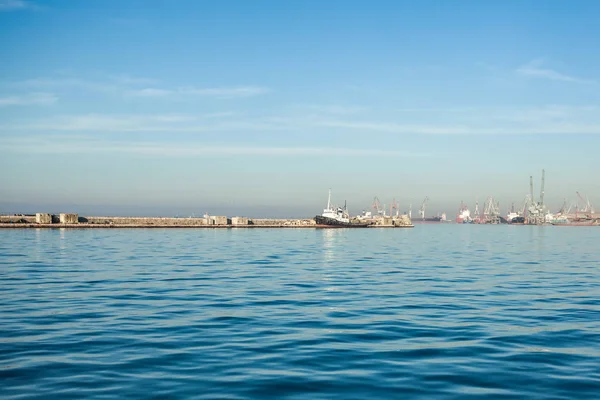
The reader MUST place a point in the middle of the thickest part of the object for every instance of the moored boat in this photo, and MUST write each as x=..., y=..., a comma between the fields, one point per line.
x=464, y=215
x=337, y=217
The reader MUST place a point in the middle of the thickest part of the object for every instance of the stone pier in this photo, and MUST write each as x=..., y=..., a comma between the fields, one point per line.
x=43, y=218
x=69, y=218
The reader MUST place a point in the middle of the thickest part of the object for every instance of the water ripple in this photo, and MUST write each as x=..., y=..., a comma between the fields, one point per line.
x=434, y=312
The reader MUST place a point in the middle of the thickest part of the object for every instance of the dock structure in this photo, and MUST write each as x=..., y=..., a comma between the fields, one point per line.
x=69, y=218
x=239, y=221
x=220, y=220
x=43, y=218
x=399, y=221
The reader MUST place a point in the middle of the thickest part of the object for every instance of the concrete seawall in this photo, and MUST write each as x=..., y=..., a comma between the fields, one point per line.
x=75, y=221
x=26, y=221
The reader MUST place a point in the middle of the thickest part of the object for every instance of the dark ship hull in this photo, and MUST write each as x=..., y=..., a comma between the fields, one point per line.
x=428, y=220
x=326, y=222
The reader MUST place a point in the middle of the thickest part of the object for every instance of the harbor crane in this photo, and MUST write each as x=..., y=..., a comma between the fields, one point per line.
x=476, y=215
x=535, y=210
x=377, y=207
x=587, y=206
x=394, y=206
x=565, y=209
x=491, y=211
x=422, y=209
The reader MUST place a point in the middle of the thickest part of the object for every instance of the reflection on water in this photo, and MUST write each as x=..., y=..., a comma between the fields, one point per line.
x=331, y=242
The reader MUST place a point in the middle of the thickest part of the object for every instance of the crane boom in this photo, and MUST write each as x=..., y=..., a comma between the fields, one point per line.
x=377, y=205
x=587, y=206
x=531, y=188
x=422, y=209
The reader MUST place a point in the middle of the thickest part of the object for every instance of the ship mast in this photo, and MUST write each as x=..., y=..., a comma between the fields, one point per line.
x=329, y=200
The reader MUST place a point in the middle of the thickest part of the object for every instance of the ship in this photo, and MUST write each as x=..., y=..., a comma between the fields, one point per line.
x=464, y=215
x=438, y=218
x=337, y=217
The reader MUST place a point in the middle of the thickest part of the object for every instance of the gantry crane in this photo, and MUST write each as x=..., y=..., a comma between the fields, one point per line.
x=377, y=207
x=422, y=209
x=394, y=206
x=535, y=210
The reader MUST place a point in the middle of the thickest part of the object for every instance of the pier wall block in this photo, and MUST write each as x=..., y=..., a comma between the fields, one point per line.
x=239, y=221
x=402, y=220
x=17, y=219
x=147, y=221
x=43, y=218
x=281, y=222
x=220, y=220
x=69, y=218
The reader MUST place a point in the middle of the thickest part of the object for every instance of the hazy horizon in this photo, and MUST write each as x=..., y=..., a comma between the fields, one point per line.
x=258, y=108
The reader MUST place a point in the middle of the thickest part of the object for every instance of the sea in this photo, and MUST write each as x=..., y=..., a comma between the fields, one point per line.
x=439, y=311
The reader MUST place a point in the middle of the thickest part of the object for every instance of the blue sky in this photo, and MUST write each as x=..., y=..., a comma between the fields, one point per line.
x=258, y=107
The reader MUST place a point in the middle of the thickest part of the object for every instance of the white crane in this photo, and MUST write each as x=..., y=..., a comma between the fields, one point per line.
x=587, y=206
x=491, y=211
x=422, y=209
x=377, y=206
x=535, y=210
x=394, y=206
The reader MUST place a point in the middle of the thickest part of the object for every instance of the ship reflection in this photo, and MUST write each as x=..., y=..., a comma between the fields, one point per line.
x=331, y=242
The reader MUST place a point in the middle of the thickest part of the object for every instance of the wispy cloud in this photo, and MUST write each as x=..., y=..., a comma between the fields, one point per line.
x=132, y=80
x=29, y=99
x=70, y=83
x=217, y=92
x=333, y=109
x=395, y=128
x=553, y=119
x=130, y=86
x=150, y=92
x=109, y=123
x=535, y=69
x=565, y=127
x=71, y=145
x=12, y=5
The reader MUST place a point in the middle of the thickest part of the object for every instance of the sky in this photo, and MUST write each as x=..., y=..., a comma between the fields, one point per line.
x=257, y=108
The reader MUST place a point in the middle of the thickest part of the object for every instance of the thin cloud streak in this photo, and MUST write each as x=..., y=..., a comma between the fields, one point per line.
x=395, y=128
x=217, y=92
x=132, y=123
x=129, y=86
x=550, y=129
x=534, y=69
x=53, y=146
x=554, y=119
x=70, y=83
x=29, y=99
x=333, y=109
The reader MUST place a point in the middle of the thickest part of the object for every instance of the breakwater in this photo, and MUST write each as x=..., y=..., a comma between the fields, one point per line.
x=44, y=220
x=41, y=221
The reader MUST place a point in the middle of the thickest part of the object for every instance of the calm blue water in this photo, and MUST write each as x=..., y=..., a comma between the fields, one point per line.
x=438, y=311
